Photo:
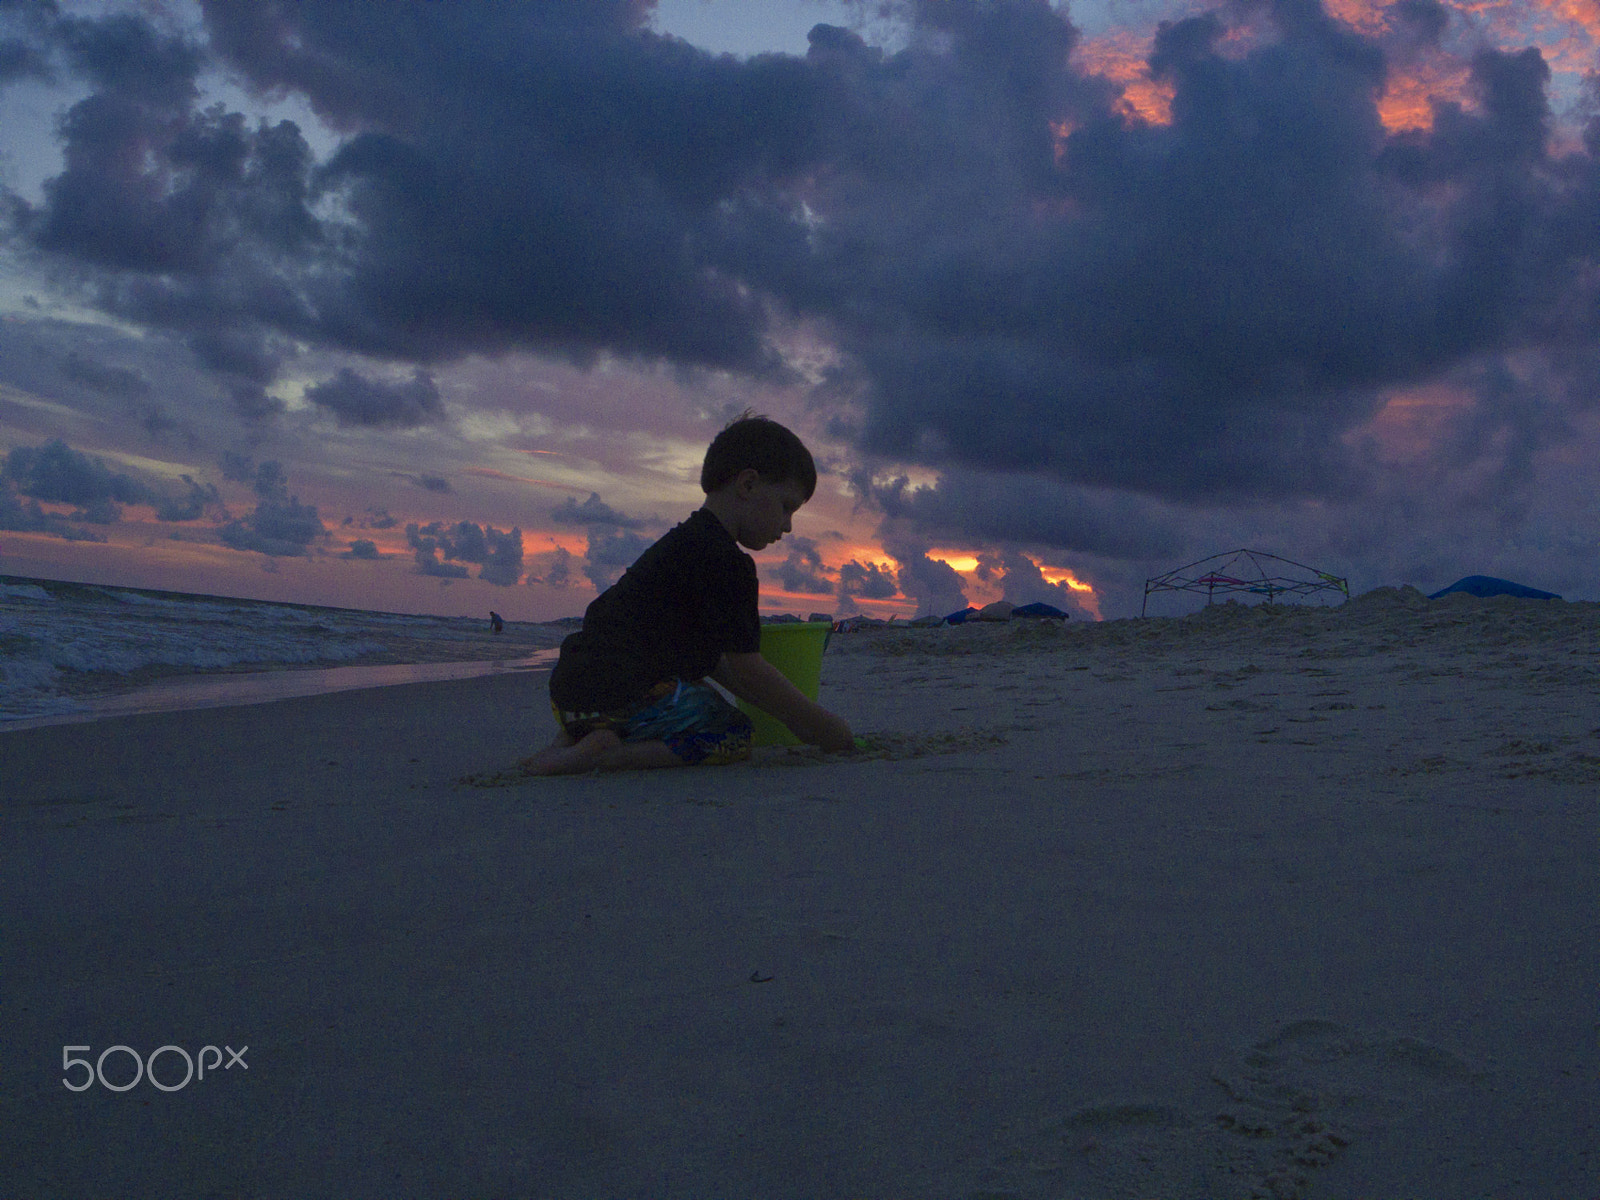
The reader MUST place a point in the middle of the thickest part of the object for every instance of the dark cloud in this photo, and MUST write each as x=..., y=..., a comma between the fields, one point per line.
x=990, y=507
x=107, y=208
x=279, y=526
x=269, y=480
x=936, y=586
x=803, y=570
x=244, y=353
x=122, y=55
x=199, y=499
x=463, y=541
x=503, y=564
x=98, y=512
x=240, y=468
x=424, y=540
x=499, y=554
x=356, y=400
x=195, y=221
x=156, y=422
x=54, y=472
x=593, y=511
x=868, y=581
x=1207, y=310
x=478, y=208
x=28, y=517
x=27, y=30
x=552, y=568
x=1223, y=300
x=112, y=380
x=1022, y=582
x=252, y=402
x=1419, y=22
x=427, y=558
x=363, y=548
x=282, y=529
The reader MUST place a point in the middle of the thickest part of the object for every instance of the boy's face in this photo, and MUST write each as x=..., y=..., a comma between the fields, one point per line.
x=764, y=510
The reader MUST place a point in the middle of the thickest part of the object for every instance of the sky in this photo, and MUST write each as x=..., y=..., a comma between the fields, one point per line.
x=429, y=307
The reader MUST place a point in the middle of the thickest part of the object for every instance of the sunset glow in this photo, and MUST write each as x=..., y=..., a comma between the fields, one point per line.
x=955, y=559
x=1058, y=575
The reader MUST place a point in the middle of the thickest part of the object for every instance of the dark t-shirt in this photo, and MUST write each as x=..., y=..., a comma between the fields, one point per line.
x=691, y=597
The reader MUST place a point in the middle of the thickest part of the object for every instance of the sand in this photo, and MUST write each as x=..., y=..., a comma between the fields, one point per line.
x=1279, y=904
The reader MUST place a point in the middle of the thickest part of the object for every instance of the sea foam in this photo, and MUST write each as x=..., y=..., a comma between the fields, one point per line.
x=61, y=642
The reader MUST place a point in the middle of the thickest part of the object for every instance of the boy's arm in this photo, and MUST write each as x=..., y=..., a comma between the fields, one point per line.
x=756, y=681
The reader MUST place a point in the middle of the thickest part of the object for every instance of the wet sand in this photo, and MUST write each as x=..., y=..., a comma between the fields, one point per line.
x=1300, y=903
x=186, y=693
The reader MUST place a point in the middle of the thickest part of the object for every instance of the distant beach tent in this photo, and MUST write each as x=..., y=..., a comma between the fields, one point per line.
x=1488, y=585
x=1251, y=572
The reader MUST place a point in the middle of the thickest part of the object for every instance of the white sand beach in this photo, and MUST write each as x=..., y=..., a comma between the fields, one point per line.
x=1257, y=903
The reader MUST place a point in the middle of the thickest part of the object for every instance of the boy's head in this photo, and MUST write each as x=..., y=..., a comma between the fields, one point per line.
x=761, y=445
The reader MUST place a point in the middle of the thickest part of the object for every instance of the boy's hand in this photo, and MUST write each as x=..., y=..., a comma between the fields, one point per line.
x=834, y=736
x=753, y=679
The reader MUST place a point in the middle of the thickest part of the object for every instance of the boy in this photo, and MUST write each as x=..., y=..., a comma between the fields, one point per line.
x=629, y=688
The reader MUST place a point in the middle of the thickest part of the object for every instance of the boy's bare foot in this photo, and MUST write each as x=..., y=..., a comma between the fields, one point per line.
x=601, y=750
x=535, y=764
x=564, y=756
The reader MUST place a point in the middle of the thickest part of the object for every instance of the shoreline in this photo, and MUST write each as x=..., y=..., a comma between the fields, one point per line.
x=227, y=689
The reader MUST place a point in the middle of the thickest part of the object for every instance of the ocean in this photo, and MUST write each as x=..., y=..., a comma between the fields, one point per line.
x=77, y=651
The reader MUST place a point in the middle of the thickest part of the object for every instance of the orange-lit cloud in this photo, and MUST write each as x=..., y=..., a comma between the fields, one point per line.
x=1409, y=95
x=957, y=560
x=1410, y=423
x=866, y=553
x=1086, y=596
x=1119, y=57
x=1566, y=32
x=965, y=563
x=1361, y=15
x=1060, y=131
x=1062, y=575
x=542, y=542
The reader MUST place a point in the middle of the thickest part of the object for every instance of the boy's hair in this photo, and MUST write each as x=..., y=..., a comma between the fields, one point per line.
x=763, y=445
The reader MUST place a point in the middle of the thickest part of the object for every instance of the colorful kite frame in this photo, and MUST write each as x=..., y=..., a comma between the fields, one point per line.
x=1227, y=573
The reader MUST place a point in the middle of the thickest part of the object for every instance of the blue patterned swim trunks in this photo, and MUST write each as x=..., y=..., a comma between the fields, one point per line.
x=693, y=719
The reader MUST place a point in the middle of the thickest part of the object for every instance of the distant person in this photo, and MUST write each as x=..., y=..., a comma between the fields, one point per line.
x=629, y=689
x=495, y=621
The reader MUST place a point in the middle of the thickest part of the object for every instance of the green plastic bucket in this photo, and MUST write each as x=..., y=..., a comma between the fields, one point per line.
x=795, y=648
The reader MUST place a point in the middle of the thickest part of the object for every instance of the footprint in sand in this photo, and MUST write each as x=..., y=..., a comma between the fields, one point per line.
x=1286, y=1107
x=1307, y=1092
